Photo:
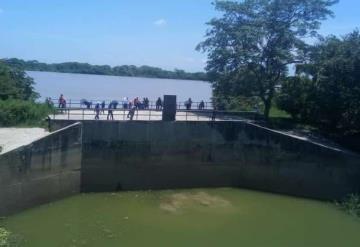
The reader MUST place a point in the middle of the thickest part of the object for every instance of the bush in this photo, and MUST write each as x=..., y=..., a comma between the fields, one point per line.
x=4, y=237
x=19, y=112
x=351, y=205
x=239, y=103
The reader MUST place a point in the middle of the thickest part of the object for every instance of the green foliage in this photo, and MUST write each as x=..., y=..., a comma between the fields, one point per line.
x=351, y=205
x=251, y=45
x=85, y=68
x=15, y=84
x=20, y=112
x=278, y=113
x=238, y=103
x=295, y=96
x=4, y=237
x=326, y=91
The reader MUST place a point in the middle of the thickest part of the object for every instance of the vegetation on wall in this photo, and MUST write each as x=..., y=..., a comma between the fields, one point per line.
x=85, y=68
x=4, y=237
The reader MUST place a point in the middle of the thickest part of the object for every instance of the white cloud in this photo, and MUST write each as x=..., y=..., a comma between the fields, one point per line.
x=160, y=22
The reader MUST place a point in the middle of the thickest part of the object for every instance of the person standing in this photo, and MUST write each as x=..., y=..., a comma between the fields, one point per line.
x=61, y=101
x=110, y=115
x=189, y=103
x=158, y=104
x=131, y=113
x=97, y=111
x=103, y=107
x=125, y=103
x=202, y=105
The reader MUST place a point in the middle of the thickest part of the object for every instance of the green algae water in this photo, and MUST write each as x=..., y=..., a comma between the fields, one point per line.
x=201, y=217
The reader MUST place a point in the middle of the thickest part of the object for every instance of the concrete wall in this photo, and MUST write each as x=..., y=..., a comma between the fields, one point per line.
x=41, y=172
x=165, y=155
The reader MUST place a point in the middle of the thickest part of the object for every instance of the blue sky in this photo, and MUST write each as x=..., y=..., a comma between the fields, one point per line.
x=161, y=33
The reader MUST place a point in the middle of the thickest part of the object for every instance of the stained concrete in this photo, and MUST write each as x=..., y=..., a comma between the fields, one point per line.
x=42, y=171
x=161, y=155
x=99, y=156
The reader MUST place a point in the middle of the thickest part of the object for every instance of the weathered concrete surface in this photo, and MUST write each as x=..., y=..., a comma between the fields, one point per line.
x=42, y=171
x=166, y=155
x=146, y=115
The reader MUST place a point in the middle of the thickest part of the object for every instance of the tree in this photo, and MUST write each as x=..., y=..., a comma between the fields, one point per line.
x=331, y=99
x=251, y=46
x=85, y=68
x=15, y=84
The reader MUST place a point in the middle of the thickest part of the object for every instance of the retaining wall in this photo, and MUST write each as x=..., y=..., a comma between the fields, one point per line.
x=100, y=156
x=167, y=155
x=41, y=172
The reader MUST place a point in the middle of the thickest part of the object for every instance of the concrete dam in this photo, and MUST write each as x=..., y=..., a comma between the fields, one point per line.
x=100, y=156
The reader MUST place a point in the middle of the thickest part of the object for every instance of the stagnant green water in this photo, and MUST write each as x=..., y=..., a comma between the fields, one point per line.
x=202, y=217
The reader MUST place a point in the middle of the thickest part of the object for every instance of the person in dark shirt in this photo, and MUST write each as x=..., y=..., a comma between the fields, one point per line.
x=202, y=105
x=158, y=104
x=131, y=113
x=110, y=115
x=61, y=101
x=103, y=107
x=97, y=111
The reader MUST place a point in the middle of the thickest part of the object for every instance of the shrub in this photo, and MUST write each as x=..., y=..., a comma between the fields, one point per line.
x=19, y=112
x=4, y=237
x=351, y=205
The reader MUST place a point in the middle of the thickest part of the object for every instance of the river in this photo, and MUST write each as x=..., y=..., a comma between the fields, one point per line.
x=200, y=217
x=99, y=87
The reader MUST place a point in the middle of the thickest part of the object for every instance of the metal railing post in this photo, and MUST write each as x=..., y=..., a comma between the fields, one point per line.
x=83, y=116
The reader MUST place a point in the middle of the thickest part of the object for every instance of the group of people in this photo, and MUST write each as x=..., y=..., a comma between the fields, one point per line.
x=189, y=102
x=127, y=104
x=132, y=106
x=140, y=105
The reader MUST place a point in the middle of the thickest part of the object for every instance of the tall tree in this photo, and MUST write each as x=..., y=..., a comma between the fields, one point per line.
x=252, y=44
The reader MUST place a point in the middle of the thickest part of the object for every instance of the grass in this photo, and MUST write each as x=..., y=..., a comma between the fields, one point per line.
x=277, y=113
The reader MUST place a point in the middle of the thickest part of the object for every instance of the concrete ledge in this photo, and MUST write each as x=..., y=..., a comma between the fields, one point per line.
x=42, y=171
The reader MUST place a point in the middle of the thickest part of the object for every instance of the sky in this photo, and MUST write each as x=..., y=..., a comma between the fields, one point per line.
x=161, y=33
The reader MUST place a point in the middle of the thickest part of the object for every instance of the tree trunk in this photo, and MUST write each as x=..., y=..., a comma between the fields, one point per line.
x=267, y=104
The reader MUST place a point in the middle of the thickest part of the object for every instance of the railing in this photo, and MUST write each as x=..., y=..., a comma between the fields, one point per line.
x=150, y=115
x=152, y=104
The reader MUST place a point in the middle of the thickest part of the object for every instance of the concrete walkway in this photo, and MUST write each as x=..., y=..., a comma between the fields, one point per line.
x=12, y=138
x=121, y=115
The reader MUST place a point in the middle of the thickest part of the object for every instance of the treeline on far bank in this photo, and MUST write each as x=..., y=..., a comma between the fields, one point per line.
x=124, y=70
x=18, y=99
